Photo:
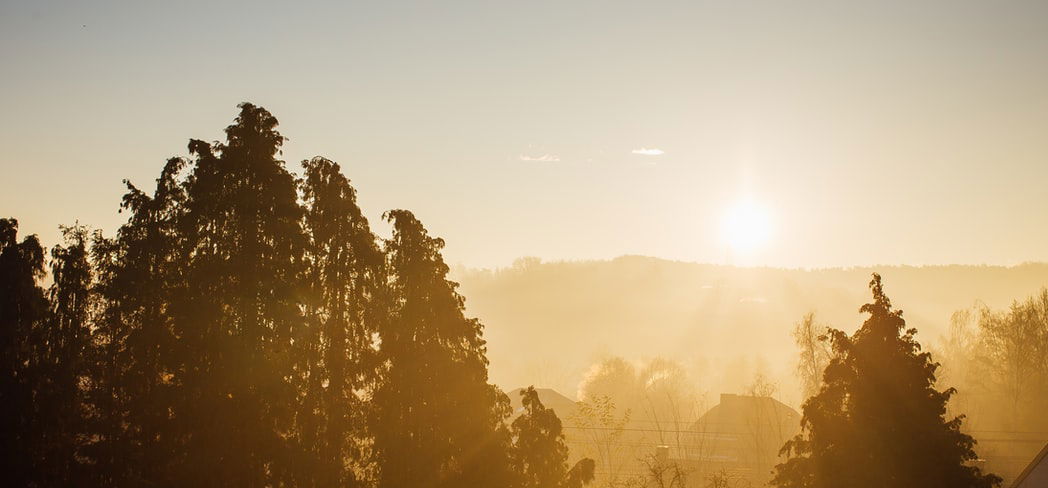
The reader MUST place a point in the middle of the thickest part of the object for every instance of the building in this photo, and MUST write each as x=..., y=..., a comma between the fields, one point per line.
x=564, y=407
x=740, y=439
x=1036, y=474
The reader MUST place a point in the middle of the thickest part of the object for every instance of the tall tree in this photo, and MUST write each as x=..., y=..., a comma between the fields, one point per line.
x=61, y=352
x=130, y=392
x=539, y=454
x=878, y=419
x=236, y=314
x=437, y=420
x=335, y=355
x=23, y=310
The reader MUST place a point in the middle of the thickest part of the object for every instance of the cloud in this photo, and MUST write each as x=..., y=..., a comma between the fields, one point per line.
x=644, y=151
x=546, y=158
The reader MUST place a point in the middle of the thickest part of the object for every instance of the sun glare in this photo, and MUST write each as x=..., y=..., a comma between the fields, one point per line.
x=746, y=227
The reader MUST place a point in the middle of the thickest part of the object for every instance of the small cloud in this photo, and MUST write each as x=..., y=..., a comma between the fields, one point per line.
x=546, y=158
x=645, y=151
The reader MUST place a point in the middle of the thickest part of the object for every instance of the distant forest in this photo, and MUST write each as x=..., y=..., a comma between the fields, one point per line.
x=246, y=327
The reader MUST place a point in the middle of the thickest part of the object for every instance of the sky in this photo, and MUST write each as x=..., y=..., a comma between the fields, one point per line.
x=840, y=133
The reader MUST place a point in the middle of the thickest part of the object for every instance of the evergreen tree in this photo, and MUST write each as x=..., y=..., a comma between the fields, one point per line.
x=23, y=310
x=335, y=357
x=234, y=317
x=228, y=335
x=130, y=392
x=878, y=420
x=539, y=455
x=61, y=351
x=437, y=420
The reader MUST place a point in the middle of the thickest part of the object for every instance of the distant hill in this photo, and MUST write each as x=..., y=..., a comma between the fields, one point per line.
x=546, y=323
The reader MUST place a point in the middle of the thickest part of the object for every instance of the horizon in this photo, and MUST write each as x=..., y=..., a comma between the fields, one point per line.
x=514, y=264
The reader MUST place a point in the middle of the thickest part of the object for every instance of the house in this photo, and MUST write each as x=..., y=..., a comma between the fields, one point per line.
x=1036, y=474
x=739, y=438
x=564, y=407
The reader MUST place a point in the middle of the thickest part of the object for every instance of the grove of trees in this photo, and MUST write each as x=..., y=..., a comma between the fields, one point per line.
x=245, y=327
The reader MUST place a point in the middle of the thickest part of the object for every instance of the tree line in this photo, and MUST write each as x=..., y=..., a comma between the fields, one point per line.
x=245, y=327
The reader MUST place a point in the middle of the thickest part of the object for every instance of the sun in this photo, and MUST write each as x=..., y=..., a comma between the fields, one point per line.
x=746, y=227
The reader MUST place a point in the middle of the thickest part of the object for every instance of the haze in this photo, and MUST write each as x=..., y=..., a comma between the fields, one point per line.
x=532, y=244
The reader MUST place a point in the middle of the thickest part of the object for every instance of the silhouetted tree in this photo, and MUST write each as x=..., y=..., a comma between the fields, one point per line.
x=437, y=421
x=23, y=312
x=61, y=352
x=235, y=316
x=539, y=454
x=243, y=328
x=132, y=370
x=335, y=358
x=878, y=420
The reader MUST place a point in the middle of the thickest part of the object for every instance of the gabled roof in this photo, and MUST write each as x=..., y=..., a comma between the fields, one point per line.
x=742, y=413
x=564, y=407
x=1037, y=460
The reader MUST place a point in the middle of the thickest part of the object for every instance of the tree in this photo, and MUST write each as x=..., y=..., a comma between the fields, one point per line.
x=656, y=394
x=655, y=391
x=604, y=428
x=344, y=282
x=236, y=313
x=662, y=473
x=1013, y=351
x=437, y=422
x=615, y=378
x=61, y=351
x=131, y=392
x=244, y=328
x=815, y=353
x=23, y=311
x=878, y=419
x=539, y=454
x=958, y=353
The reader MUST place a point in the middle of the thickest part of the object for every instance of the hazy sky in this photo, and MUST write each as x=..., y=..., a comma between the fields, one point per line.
x=908, y=132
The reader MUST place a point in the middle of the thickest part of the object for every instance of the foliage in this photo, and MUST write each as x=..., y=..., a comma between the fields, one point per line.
x=247, y=328
x=878, y=419
x=235, y=331
x=539, y=455
x=23, y=315
x=344, y=285
x=437, y=422
x=132, y=366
